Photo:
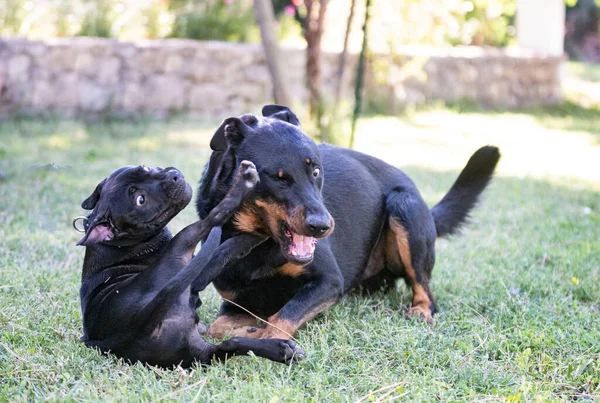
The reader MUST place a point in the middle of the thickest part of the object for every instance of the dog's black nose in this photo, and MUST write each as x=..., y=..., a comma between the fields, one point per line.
x=174, y=175
x=317, y=225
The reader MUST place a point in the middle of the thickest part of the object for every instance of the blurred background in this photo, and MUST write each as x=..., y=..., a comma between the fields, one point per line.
x=329, y=59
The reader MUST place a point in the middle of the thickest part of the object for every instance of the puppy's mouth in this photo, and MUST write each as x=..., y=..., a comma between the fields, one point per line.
x=295, y=247
x=161, y=217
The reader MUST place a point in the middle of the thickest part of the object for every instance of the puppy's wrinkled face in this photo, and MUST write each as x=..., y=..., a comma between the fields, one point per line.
x=133, y=204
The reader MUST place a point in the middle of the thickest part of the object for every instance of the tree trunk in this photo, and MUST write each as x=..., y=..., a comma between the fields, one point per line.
x=360, y=72
x=263, y=11
x=343, y=59
x=334, y=125
x=313, y=32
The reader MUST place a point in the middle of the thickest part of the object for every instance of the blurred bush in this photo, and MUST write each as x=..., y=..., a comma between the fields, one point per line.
x=395, y=22
x=443, y=22
x=224, y=20
x=227, y=20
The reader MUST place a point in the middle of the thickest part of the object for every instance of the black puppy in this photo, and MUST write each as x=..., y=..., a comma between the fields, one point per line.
x=140, y=284
x=383, y=228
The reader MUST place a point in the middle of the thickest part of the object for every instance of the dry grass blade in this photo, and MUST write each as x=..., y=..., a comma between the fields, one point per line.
x=392, y=387
x=261, y=319
x=175, y=392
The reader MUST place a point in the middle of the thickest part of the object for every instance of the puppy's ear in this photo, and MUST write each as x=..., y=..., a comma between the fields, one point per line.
x=97, y=233
x=280, y=112
x=91, y=201
x=231, y=132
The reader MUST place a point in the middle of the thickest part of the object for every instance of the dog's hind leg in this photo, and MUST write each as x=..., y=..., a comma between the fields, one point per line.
x=411, y=247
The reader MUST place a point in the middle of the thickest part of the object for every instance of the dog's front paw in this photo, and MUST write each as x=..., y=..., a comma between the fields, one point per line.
x=249, y=174
x=421, y=312
x=290, y=352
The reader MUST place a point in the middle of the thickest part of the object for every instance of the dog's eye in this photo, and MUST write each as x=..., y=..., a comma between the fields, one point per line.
x=316, y=172
x=140, y=200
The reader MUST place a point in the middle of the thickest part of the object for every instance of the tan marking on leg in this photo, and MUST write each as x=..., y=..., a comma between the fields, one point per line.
x=252, y=332
x=291, y=269
x=285, y=329
x=376, y=261
x=225, y=325
x=280, y=328
x=421, y=303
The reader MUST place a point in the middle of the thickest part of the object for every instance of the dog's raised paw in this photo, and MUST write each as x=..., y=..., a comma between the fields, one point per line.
x=249, y=173
x=290, y=352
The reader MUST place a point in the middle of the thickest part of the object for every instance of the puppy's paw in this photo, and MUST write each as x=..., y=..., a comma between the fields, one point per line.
x=202, y=328
x=290, y=352
x=249, y=174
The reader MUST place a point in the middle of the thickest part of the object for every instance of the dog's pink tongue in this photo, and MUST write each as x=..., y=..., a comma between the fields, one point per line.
x=303, y=245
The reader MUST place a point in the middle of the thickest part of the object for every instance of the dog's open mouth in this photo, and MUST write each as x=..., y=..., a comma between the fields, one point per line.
x=299, y=248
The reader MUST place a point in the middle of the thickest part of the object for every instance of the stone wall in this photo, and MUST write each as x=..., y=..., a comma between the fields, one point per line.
x=93, y=76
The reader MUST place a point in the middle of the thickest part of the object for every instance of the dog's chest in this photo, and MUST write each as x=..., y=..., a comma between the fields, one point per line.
x=266, y=263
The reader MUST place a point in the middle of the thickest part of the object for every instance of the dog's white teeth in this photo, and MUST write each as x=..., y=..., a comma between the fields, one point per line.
x=294, y=253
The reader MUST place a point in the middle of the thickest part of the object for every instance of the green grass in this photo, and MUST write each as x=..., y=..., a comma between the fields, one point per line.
x=518, y=291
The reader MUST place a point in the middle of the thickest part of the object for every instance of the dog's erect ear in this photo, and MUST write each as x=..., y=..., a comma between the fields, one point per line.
x=231, y=132
x=280, y=112
x=97, y=233
x=91, y=201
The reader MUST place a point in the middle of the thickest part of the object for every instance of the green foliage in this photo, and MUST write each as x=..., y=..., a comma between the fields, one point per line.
x=215, y=20
x=227, y=20
x=445, y=22
x=97, y=19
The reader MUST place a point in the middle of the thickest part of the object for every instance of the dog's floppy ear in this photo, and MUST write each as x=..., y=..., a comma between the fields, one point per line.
x=91, y=201
x=232, y=131
x=280, y=112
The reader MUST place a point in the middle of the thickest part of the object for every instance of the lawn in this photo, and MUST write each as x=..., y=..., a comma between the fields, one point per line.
x=518, y=291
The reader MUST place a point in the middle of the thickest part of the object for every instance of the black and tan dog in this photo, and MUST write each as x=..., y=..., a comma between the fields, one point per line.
x=383, y=228
x=139, y=289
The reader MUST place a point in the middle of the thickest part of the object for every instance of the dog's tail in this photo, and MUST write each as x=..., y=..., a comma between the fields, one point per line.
x=453, y=210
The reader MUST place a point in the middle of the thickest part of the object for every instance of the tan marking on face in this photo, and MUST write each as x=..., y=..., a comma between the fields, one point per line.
x=225, y=325
x=421, y=303
x=246, y=220
x=291, y=269
x=280, y=173
x=274, y=213
x=308, y=160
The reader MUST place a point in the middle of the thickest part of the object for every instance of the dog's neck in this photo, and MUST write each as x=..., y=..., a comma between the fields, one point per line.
x=99, y=257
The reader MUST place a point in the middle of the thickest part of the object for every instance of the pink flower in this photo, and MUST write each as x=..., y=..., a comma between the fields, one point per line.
x=228, y=1
x=290, y=10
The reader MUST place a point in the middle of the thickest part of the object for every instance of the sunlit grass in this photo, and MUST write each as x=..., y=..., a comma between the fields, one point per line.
x=442, y=139
x=518, y=291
